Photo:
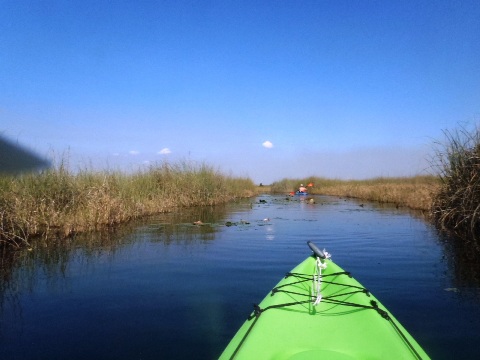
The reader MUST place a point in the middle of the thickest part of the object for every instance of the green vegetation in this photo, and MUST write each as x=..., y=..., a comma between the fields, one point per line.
x=413, y=192
x=59, y=203
x=456, y=206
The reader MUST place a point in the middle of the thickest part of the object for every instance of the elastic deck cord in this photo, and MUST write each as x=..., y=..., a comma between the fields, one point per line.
x=313, y=298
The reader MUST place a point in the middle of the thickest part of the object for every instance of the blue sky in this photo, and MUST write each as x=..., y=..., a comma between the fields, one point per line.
x=264, y=89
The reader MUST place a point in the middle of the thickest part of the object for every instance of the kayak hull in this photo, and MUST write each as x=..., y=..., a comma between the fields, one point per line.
x=329, y=330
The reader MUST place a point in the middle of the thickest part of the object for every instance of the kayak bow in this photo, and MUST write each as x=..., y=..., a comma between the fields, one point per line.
x=318, y=311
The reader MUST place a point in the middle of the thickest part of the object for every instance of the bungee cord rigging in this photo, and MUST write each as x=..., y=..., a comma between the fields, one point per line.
x=307, y=289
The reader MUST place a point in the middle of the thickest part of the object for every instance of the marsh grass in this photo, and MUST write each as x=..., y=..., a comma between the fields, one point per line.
x=413, y=192
x=456, y=207
x=58, y=203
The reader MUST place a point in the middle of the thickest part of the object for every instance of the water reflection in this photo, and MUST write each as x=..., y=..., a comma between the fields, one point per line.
x=49, y=261
x=462, y=256
x=149, y=277
x=464, y=262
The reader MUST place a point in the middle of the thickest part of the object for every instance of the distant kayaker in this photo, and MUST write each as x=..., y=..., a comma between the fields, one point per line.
x=302, y=189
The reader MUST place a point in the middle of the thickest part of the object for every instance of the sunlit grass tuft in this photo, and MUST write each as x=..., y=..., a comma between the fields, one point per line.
x=456, y=207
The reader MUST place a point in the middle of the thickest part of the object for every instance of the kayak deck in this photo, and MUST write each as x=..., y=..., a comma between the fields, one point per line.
x=347, y=323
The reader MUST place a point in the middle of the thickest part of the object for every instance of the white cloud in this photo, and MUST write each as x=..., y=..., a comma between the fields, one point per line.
x=164, y=151
x=134, y=152
x=267, y=144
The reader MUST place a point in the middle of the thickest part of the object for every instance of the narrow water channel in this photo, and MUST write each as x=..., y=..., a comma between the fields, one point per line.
x=168, y=289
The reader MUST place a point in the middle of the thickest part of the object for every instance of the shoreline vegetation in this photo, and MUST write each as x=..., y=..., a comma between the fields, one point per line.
x=58, y=203
x=415, y=192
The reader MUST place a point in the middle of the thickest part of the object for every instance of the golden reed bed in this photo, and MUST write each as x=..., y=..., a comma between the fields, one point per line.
x=412, y=192
x=58, y=203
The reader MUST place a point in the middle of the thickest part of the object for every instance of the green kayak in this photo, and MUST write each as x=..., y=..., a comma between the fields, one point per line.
x=318, y=311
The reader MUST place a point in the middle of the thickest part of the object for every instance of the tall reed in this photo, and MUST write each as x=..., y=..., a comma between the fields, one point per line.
x=456, y=207
x=59, y=203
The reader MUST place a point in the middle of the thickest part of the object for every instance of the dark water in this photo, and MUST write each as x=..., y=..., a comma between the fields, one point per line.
x=167, y=289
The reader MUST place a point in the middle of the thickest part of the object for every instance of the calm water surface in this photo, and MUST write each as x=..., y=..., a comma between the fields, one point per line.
x=168, y=289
